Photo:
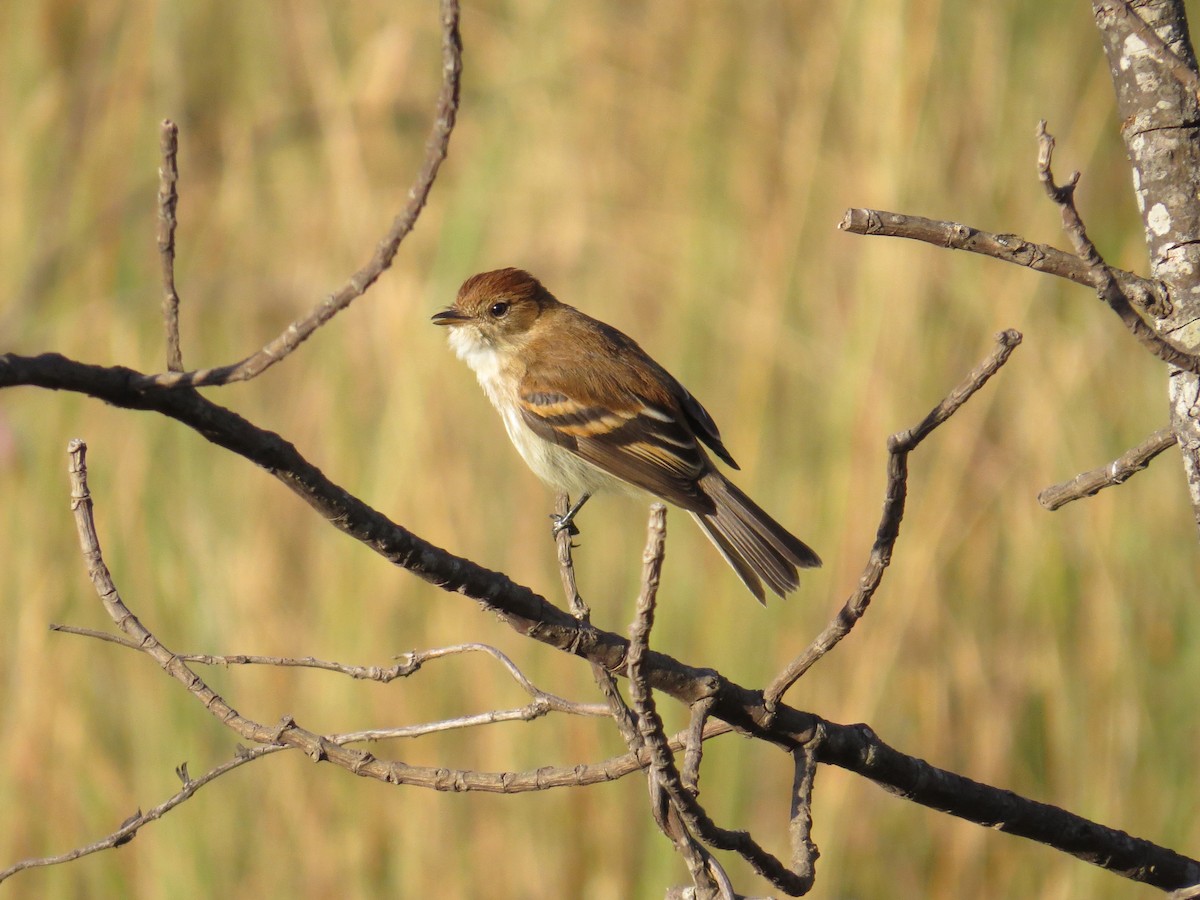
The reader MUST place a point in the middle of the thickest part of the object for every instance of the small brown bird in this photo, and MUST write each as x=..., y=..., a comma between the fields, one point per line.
x=587, y=409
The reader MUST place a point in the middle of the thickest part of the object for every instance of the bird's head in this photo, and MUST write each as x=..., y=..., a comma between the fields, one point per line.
x=495, y=310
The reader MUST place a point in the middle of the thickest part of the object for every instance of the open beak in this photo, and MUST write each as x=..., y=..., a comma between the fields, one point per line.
x=449, y=316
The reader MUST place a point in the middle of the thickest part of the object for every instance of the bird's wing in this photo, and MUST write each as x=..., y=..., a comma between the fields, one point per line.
x=647, y=443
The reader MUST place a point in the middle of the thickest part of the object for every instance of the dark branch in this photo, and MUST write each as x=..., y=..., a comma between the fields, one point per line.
x=1005, y=811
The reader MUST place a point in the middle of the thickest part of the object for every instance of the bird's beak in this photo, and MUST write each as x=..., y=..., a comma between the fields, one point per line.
x=449, y=316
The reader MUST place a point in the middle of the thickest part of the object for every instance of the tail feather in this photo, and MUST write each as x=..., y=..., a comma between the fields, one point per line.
x=743, y=569
x=754, y=544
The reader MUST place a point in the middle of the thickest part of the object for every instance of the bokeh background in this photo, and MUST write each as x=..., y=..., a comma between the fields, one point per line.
x=677, y=169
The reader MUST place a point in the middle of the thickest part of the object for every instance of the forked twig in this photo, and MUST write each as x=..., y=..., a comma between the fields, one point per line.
x=664, y=775
x=708, y=876
x=130, y=827
x=1104, y=280
x=899, y=446
x=358, y=283
x=1122, y=291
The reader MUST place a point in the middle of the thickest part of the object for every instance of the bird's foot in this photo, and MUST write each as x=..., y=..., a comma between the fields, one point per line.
x=567, y=522
x=561, y=524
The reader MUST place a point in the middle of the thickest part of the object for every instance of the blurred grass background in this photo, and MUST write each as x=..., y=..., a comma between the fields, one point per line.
x=674, y=168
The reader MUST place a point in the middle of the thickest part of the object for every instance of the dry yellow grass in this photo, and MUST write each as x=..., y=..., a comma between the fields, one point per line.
x=676, y=169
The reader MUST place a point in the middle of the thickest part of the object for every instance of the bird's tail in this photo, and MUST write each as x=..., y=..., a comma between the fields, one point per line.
x=751, y=541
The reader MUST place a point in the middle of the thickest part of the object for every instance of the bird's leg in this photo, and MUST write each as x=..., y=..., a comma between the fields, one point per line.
x=568, y=521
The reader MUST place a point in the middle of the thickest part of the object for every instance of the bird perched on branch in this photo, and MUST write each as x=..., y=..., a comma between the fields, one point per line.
x=588, y=410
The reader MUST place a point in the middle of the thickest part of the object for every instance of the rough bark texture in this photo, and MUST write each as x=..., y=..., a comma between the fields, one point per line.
x=1159, y=123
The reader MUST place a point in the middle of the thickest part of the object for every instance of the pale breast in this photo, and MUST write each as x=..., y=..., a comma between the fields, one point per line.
x=559, y=468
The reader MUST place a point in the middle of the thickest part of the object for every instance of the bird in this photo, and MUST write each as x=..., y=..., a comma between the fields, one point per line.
x=589, y=410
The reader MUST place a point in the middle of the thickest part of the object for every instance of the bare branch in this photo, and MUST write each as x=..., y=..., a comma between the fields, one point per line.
x=899, y=446
x=531, y=615
x=1144, y=293
x=168, y=200
x=1103, y=278
x=358, y=283
x=540, y=779
x=525, y=611
x=1129, y=463
x=1122, y=291
x=381, y=674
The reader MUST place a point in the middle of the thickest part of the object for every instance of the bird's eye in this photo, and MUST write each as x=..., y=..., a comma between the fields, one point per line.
x=498, y=309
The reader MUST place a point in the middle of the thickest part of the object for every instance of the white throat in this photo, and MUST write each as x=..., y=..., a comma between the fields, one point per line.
x=480, y=354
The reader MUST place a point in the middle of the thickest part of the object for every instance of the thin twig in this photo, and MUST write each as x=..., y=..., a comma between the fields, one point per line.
x=804, y=850
x=617, y=707
x=168, y=200
x=541, y=706
x=1087, y=484
x=1104, y=280
x=1144, y=293
x=413, y=661
x=358, y=283
x=694, y=749
x=130, y=827
x=899, y=446
x=566, y=565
